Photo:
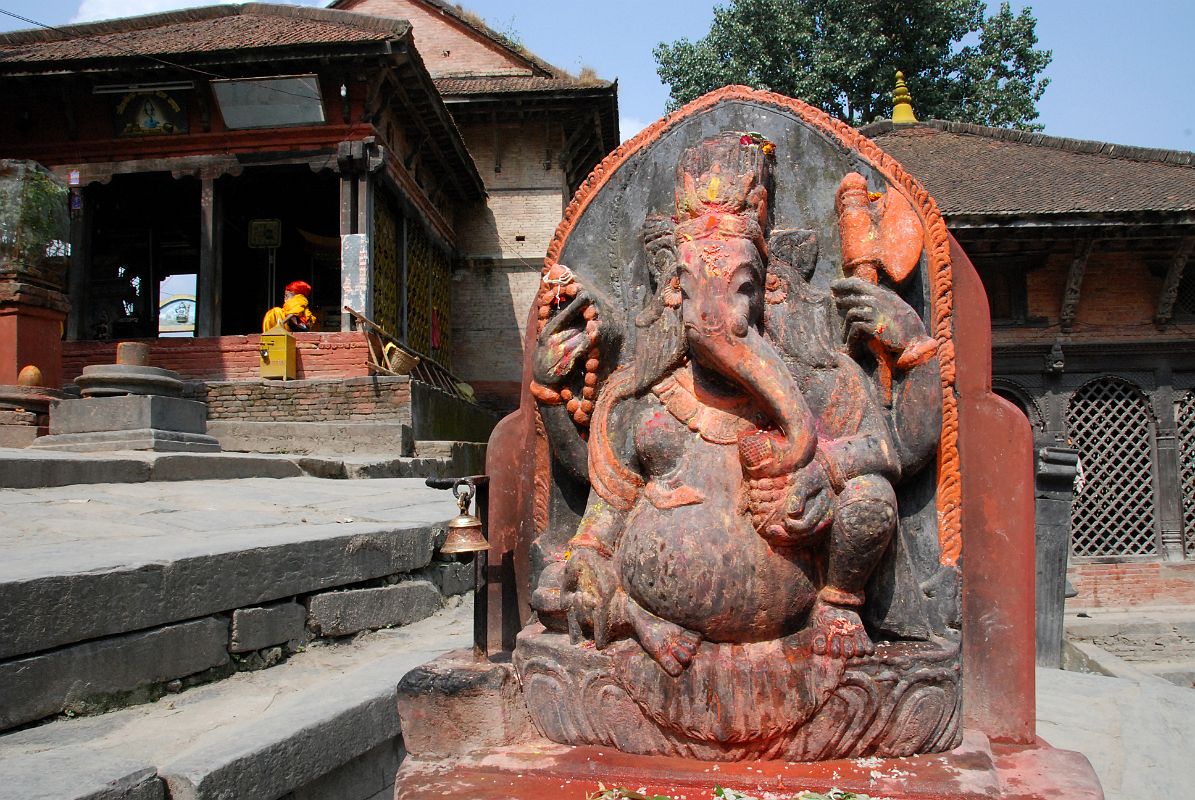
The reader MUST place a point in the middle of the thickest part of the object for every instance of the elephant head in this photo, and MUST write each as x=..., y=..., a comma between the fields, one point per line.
x=721, y=254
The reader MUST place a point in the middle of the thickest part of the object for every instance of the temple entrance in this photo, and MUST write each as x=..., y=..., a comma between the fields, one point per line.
x=146, y=230
x=280, y=224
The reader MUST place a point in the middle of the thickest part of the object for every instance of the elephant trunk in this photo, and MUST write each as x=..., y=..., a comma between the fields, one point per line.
x=741, y=354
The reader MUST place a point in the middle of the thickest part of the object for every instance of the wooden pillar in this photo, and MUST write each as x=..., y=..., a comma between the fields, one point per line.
x=210, y=279
x=404, y=266
x=79, y=272
x=1168, y=491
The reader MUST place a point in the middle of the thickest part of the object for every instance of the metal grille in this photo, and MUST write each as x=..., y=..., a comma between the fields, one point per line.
x=386, y=312
x=1185, y=414
x=1109, y=423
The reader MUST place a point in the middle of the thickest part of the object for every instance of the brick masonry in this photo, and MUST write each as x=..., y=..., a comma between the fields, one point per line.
x=230, y=358
x=1132, y=584
x=374, y=398
x=1117, y=301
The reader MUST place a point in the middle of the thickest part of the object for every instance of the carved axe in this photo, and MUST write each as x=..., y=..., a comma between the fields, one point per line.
x=880, y=233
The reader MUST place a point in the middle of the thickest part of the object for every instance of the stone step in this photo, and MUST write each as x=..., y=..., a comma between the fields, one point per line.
x=32, y=469
x=323, y=725
x=111, y=594
x=381, y=439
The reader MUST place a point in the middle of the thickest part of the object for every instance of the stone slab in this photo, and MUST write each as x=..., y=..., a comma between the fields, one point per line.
x=138, y=439
x=17, y=435
x=128, y=413
x=459, y=704
x=67, y=778
x=255, y=628
x=347, y=612
x=30, y=469
x=547, y=770
x=450, y=577
x=366, y=776
x=84, y=674
x=254, y=736
x=313, y=438
x=152, y=553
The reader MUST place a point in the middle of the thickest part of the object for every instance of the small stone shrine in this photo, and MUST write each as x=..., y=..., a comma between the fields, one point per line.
x=129, y=405
x=34, y=230
x=730, y=520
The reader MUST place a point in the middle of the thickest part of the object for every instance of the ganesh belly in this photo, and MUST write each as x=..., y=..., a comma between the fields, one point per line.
x=706, y=569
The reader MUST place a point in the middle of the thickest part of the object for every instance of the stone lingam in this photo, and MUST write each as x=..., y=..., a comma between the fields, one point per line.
x=729, y=520
x=129, y=405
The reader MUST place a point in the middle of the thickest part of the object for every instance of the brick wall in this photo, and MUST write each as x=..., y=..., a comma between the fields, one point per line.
x=222, y=358
x=446, y=46
x=1117, y=302
x=490, y=307
x=1132, y=584
x=373, y=398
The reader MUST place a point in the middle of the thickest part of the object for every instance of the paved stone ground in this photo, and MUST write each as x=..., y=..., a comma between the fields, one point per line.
x=1137, y=734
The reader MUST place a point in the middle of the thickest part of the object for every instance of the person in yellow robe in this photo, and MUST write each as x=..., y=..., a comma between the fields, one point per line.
x=293, y=314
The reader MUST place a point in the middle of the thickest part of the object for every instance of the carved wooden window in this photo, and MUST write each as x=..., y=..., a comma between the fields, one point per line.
x=1185, y=417
x=1110, y=423
x=429, y=297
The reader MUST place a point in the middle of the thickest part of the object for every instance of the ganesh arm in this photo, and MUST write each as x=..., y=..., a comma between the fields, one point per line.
x=568, y=448
x=915, y=420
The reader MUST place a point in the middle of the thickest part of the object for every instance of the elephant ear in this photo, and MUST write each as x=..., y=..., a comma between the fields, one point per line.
x=793, y=250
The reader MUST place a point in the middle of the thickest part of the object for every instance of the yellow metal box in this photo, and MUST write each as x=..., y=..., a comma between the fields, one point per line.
x=278, y=354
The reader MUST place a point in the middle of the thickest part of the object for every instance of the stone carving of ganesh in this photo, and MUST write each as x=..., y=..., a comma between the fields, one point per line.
x=742, y=455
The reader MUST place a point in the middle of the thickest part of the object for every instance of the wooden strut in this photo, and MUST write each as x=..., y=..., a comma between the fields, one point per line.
x=425, y=368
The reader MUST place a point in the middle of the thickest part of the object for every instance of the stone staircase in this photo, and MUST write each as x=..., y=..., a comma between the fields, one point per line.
x=221, y=638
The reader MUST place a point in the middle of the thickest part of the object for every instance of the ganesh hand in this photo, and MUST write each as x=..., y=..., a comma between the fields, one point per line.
x=876, y=312
x=809, y=509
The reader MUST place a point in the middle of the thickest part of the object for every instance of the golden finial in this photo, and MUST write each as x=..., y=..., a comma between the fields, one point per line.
x=902, y=102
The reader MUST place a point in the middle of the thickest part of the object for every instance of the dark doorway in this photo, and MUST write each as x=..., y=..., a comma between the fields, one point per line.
x=146, y=229
x=306, y=243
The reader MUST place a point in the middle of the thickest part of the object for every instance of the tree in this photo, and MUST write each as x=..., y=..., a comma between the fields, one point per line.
x=842, y=56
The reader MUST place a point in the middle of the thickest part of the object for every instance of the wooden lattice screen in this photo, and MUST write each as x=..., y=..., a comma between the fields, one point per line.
x=387, y=312
x=429, y=293
x=1110, y=424
x=1185, y=417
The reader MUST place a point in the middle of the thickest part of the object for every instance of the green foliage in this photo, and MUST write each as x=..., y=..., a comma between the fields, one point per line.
x=33, y=213
x=842, y=56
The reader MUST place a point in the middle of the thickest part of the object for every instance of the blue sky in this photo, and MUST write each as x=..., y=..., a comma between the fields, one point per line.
x=1121, y=72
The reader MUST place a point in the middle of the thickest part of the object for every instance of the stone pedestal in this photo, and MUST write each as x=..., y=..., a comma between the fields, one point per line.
x=130, y=422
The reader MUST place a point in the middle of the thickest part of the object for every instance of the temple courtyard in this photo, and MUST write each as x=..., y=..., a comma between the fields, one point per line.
x=145, y=549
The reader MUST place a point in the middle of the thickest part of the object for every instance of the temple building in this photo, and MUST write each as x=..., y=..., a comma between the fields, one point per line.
x=403, y=160
x=1085, y=250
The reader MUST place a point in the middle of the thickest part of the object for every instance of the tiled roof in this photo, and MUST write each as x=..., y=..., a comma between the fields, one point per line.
x=976, y=170
x=200, y=30
x=514, y=84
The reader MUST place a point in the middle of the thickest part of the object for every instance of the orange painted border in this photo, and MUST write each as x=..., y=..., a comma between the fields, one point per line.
x=937, y=245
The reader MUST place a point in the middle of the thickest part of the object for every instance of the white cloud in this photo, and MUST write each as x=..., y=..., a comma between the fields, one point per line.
x=92, y=10
x=627, y=126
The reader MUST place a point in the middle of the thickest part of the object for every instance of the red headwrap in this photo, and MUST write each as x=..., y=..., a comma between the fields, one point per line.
x=299, y=287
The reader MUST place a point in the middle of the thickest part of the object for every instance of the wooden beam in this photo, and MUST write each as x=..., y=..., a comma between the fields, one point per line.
x=1174, y=279
x=1074, y=284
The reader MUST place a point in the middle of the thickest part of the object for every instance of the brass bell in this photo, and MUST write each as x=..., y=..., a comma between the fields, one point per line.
x=464, y=530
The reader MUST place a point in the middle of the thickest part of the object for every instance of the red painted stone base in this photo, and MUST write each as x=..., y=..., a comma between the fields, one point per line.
x=974, y=771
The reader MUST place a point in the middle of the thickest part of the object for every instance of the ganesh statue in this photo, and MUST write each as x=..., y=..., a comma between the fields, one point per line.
x=745, y=545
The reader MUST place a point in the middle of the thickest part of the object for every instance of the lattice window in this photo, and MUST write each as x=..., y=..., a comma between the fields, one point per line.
x=419, y=260
x=1110, y=424
x=429, y=297
x=386, y=309
x=1185, y=414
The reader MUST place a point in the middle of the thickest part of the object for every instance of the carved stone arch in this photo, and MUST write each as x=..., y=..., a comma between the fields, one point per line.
x=1111, y=422
x=1019, y=396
